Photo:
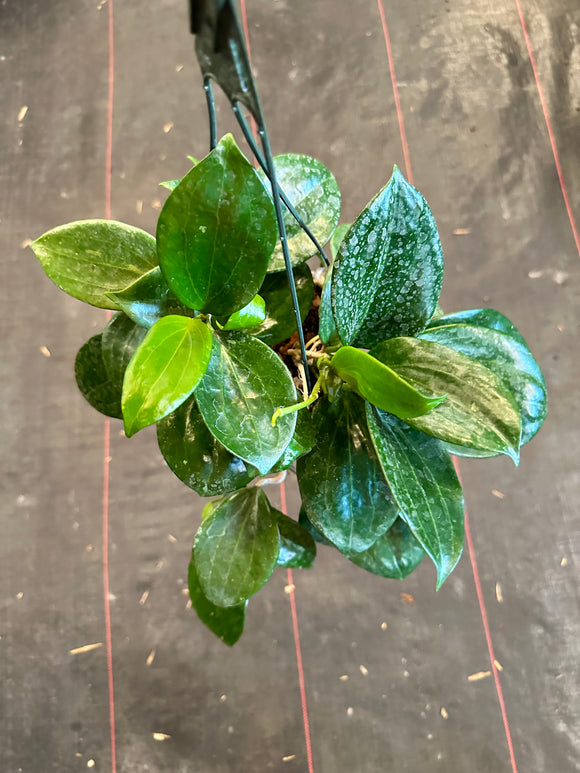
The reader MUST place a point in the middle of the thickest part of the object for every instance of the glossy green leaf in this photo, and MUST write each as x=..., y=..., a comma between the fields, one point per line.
x=342, y=485
x=252, y=315
x=423, y=481
x=226, y=622
x=302, y=442
x=491, y=339
x=338, y=237
x=280, y=322
x=244, y=384
x=196, y=457
x=216, y=233
x=297, y=546
x=121, y=338
x=313, y=191
x=93, y=380
x=380, y=385
x=304, y=521
x=478, y=412
x=388, y=272
x=237, y=547
x=148, y=299
x=394, y=555
x=165, y=370
x=90, y=258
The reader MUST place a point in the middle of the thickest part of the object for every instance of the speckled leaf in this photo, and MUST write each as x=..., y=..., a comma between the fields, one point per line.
x=394, y=555
x=94, y=382
x=297, y=546
x=380, y=385
x=478, y=412
x=148, y=299
x=237, y=547
x=388, y=272
x=337, y=238
x=216, y=233
x=423, y=481
x=280, y=321
x=342, y=485
x=252, y=315
x=196, y=457
x=491, y=339
x=226, y=622
x=164, y=370
x=302, y=442
x=244, y=385
x=313, y=191
x=89, y=258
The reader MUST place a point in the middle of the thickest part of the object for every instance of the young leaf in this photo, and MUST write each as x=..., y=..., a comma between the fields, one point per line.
x=236, y=548
x=342, y=485
x=171, y=185
x=227, y=623
x=297, y=546
x=389, y=268
x=380, y=385
x=313, y=191
x=491, y=339
x=165, y=370
x=196, y=457
x=93, y=381
x=394, y=555
x=302, y=442
x=148, y=299
x=90, y=258
x=280, y=321
x=425, y=486
x=479, y=412
x=252, y=315
x=216, y=233
x=244, y=384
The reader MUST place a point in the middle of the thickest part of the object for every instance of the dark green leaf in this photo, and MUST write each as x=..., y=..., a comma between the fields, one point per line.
x=425, y=486
x=227, y=623
x=313, y=191
x=121, y=338
x=394, y=555
x=90, y=258
x=302, y=442
x=237, y=547
x=196, y=457
x=297, y=546
x=327, y=326
x=479, y=412
x=311, y=529
x=165, y=370
x=244, y=385
x=388, y=272
x=380, y=385
x=148, y=299
x=342, y=485
x=280, y=321
x=216, y=233
x=490, y=338
x=337, y=238
x=94, y=382
x=252, y=315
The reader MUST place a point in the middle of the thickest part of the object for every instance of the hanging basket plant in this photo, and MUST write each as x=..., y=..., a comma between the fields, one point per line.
x=251, y=361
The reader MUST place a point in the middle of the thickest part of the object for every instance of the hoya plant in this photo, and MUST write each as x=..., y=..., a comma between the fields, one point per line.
x=253, y=353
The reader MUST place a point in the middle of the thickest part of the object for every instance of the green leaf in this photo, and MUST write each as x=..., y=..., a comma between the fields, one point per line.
x=479, y=412
x=252, y=315
x=280, y=322
x=297, y=546
x=90, y=258
x=93, y=381
x=165, y=370
x=216, y=233
x=244, y=384
x=327, y=326
x=342, y=485
x=196, y=457
x=380, y=385
x=338, y=237
x=388, y=272
x=491, y=339
x=301, y=444
x=148, y=299
x=237, y=547
x=121, y=338
x=425, y=486
x=314, y=192
x=171, y=185
x=312, y=530
x=227, y=623
x=394, y=555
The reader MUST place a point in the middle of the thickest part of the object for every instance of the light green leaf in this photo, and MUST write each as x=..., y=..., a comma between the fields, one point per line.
x=338, y=237
x=165, y=370
x=90, y=258
x=252, y=315
x=394, y=555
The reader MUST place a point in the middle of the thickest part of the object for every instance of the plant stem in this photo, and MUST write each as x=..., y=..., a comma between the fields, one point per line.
x=298, y=406
x=208, y=88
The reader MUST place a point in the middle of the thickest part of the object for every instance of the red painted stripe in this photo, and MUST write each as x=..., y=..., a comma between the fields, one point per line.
x=468, y=537
x=551, y=134
x=107, y=425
